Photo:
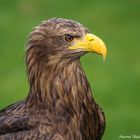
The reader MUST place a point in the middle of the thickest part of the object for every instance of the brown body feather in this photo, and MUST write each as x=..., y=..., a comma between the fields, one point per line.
x=60, y=105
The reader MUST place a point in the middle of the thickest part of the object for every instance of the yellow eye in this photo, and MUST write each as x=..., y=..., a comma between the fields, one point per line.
x=68, y=38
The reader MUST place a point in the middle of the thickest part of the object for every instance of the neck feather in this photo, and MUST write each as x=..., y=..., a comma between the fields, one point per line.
x=57, y=82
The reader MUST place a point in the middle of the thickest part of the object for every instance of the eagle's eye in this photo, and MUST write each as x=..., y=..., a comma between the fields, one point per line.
x=68, y=38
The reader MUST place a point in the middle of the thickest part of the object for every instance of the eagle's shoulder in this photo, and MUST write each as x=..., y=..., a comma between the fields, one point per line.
x=9, y=109
x=13, y=119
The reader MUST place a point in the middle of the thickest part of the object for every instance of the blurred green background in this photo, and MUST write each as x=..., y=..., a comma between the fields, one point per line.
x=115, y=83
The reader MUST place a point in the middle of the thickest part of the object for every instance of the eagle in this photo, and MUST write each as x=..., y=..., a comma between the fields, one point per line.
x=60, y=104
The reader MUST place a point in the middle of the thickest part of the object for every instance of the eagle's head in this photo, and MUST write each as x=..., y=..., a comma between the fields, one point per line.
x=63, y=39
x=54, y=71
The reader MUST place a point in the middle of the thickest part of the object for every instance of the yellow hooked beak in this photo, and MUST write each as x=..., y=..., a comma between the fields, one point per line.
x=90, y=43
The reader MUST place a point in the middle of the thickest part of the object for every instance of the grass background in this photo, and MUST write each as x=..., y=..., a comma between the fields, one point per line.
x=115, y=83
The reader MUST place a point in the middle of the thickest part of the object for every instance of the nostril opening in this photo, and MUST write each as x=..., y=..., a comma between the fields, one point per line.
x=91, y=39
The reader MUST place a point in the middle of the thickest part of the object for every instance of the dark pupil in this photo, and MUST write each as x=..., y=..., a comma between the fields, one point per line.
x=68, y=38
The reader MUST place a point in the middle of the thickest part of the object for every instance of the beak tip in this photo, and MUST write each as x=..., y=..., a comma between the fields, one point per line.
x=104, y=58
x=104, y=54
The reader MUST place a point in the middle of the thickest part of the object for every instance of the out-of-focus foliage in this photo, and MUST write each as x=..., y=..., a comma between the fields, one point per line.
x=115, y=83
